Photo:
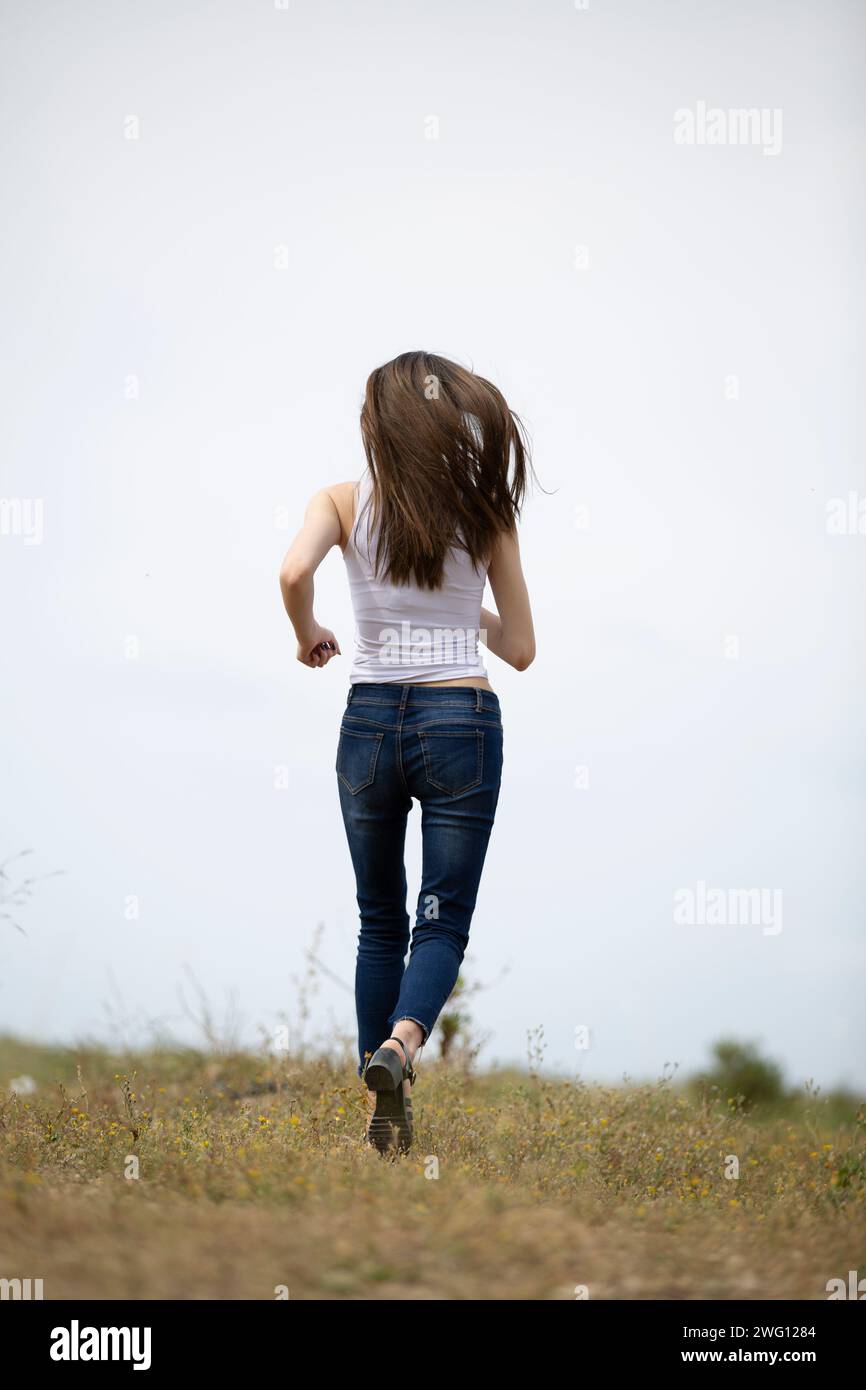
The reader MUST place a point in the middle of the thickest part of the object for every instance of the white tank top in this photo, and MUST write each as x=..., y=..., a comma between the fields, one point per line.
x=403, y=633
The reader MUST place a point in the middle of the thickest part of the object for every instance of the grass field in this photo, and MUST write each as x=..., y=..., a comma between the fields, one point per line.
x=253, y=1181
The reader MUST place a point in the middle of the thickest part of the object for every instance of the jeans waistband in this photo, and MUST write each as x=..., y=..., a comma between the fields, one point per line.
x=416, y=696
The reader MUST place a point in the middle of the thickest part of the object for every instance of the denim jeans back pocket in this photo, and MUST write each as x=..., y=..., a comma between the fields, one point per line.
x=357, y=755
x=453, y=761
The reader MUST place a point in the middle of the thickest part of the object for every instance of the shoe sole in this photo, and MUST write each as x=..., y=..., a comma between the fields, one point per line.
x=391, y=1126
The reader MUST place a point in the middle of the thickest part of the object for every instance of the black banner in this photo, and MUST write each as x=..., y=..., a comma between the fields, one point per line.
x=68, y=1338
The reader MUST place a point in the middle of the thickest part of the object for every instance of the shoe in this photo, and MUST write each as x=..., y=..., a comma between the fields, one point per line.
x=391, y=1127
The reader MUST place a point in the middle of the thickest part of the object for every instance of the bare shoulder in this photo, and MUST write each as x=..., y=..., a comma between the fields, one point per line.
x=505, y=554
x=342, y=497
x=341, y=493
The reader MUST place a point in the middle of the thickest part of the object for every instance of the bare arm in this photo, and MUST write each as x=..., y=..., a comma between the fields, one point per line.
x=320, y=531
x=510, y=634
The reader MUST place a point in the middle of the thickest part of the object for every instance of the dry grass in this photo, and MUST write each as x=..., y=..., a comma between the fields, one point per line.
x=252, y=1174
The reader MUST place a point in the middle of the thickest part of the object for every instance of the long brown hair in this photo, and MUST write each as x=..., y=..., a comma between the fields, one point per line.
x=449, y=463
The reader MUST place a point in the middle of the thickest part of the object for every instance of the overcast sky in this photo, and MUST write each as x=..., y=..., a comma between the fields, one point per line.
x=219, y=218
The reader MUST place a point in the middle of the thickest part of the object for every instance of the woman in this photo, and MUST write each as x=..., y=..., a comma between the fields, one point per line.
x=433, y=517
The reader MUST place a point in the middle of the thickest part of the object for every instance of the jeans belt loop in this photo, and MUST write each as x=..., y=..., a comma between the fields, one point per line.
x=351, y=693
x=479, y=703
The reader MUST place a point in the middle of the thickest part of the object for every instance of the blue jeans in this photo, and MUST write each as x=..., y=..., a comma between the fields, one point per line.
x=442, y=746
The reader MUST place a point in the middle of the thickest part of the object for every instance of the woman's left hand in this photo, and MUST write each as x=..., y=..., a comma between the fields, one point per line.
x=318, y=647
